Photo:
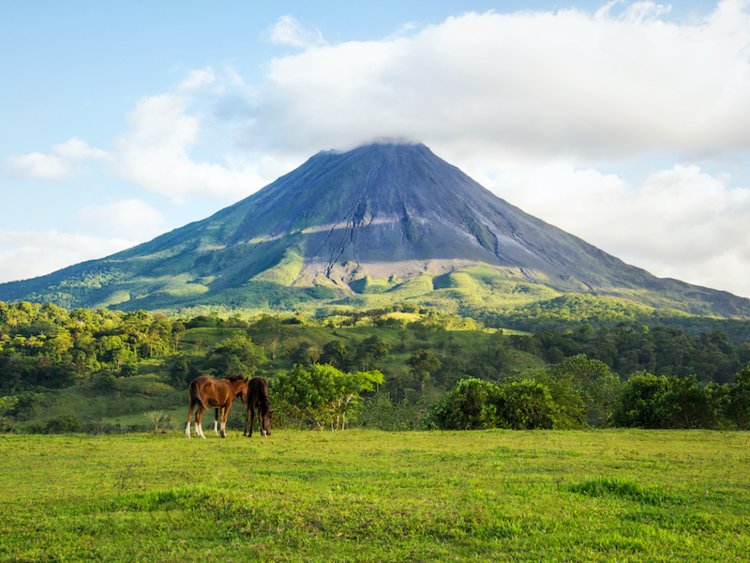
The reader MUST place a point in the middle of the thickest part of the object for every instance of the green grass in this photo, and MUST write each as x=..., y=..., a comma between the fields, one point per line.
x=367, y=495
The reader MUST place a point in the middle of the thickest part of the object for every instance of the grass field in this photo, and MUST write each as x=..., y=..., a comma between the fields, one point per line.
x=368, y=495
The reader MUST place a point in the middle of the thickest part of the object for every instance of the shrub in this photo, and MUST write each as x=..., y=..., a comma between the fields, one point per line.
x=62, y=424
x=470, y=405
x=650, y=401
x=525, y=404
x=475, y=404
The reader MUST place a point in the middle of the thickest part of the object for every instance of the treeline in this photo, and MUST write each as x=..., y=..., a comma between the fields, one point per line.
x=627, y=374
x=632, y=347
x=580, y=392
x=47, y=346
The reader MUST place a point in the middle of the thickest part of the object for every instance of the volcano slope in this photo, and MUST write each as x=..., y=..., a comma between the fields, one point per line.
x=381, y=224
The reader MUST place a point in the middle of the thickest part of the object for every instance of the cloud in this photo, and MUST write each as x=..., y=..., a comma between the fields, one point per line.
x=155, y=153
x=608, y=84
x=131, y=218
x=55, y=166
x=26, y=254
x=679, y=222
x=77, y=149
x=289, y=31
x=197, y=80
x=38, y=165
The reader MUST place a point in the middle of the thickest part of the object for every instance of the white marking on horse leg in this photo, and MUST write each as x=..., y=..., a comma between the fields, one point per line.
x=216, y=427
x=187, y=430
x=199, y=430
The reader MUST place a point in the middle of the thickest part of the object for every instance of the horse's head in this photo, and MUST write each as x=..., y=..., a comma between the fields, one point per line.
x=265, y=422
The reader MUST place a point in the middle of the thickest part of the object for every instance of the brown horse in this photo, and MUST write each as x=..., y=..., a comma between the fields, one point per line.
x=207, y=392
x=257, y=397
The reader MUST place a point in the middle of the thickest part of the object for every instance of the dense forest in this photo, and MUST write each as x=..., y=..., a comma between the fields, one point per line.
x=396, y=368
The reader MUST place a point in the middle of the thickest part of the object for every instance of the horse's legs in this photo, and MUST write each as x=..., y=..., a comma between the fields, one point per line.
x=199, y=421
x=189, y=416
x=224, y=416
x=247, y=419
x=216, y=421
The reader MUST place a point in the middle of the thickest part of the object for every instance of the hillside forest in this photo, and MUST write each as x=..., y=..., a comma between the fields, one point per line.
x=397, y=368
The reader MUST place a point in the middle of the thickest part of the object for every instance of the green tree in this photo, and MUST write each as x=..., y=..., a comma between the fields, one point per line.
x=525, y=405
x=470, y=405
x=321, y=395
x=236, y=356
x=640, y=401
x=335, y=353
x=371, y=350
x=476, y=404
x=422, y=364
x=593, y=381
x=305, y=353
x=180, y=372
x=650, y=401
x=738, y=407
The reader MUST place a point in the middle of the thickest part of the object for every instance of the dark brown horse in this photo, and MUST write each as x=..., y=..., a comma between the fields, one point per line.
x=207, y=392
x=257, y=397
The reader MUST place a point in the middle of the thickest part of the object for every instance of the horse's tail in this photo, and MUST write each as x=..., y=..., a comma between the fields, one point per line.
x=265, y=402
x=195, y=396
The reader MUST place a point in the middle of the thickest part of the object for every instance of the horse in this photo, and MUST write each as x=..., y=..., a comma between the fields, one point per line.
x=257, y=397
x=206, y=392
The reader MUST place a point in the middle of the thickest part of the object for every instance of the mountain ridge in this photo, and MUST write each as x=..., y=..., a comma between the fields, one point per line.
x=389, y=213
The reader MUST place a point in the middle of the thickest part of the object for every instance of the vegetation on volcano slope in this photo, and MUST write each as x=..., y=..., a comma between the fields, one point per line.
x=370, y=495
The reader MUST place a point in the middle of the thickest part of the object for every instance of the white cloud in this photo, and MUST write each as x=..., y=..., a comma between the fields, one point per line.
x=289, y=31
x=197, y=80
x=155, y=153
x=131, y=218
x=38, y=165
x=77, y=149
x=608, y=84
x=34, y=253
x=58, y=165
x=680, y=222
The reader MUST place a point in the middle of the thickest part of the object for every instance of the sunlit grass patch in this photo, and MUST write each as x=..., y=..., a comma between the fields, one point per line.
x=624, y=489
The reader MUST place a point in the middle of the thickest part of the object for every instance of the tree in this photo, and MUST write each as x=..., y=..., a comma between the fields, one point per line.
x=335, y=353
x=305, y=353
x=470, y=405
x=180, y=372
x=236, y=356
x=321, y=395
x=640, y=399
x=593, y=381
x=477, y=404
x=650, y=401
x=372, y=349
x=423, y=363
x=738, y=407
x=525, y=405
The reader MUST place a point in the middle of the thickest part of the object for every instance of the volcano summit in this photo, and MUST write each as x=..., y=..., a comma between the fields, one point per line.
x=382, y=223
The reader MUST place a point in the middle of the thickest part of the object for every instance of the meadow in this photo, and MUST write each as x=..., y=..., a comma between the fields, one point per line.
x=371, y=495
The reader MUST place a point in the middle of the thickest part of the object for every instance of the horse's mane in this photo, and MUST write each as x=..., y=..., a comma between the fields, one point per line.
x=234, y=377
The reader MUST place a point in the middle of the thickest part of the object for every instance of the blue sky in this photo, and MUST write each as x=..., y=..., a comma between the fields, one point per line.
x=626, y=123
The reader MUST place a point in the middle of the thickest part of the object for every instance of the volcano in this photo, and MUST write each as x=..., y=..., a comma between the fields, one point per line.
x=379, y=224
